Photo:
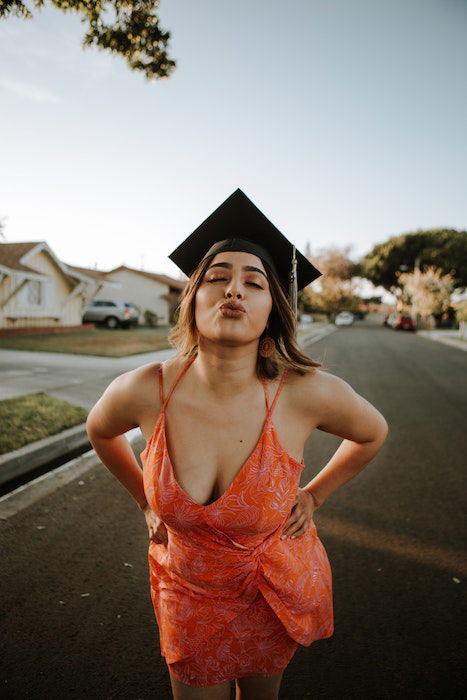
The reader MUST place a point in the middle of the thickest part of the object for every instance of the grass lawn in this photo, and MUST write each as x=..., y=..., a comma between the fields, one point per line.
x=100, y=341
x=25, y=419
x=104, y=341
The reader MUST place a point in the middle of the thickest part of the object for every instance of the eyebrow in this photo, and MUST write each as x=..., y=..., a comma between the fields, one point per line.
x=248, y=268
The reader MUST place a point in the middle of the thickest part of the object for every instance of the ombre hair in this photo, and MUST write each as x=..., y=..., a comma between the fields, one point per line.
x=282, y=327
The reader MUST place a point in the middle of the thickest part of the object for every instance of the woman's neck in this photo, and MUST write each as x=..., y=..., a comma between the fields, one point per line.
x=226, y=372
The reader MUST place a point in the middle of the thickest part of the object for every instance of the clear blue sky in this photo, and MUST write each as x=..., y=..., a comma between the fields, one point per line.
x=343, y=120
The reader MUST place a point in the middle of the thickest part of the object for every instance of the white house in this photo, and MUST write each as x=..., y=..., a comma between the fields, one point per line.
x=94, y=280
x=148, y=291
x=37, y=289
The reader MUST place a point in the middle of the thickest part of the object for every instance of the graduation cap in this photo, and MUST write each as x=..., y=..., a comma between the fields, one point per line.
x=238, y=224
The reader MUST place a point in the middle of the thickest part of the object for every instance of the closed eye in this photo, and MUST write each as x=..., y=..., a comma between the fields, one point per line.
x=224, y=279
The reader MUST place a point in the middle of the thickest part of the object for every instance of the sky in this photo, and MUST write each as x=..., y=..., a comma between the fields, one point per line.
x=343, y=120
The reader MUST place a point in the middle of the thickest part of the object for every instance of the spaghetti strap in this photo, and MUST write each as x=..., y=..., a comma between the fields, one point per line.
x=161, y=383
x=279, y=389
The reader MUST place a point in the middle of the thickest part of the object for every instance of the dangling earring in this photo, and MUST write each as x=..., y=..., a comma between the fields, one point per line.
x=267, y=346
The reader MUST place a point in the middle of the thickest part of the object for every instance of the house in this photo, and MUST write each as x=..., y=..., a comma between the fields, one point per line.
x=95, y=282
x=148, y=291
x=37, y=290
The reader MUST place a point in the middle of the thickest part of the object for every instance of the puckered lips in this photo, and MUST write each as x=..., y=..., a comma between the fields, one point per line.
x=232, y=309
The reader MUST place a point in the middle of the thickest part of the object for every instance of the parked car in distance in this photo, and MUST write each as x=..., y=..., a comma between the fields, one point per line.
x=344, y=318
x=400, y=322
x=113, y=313
x=390, y=319
x=404, y=323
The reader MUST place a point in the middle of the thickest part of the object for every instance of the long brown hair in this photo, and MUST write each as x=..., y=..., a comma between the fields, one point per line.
x=282, y=327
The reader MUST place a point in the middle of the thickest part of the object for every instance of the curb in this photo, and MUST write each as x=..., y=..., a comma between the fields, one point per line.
x=28, y=457
x=317, y=335
x=27, y=494
x=439, y=337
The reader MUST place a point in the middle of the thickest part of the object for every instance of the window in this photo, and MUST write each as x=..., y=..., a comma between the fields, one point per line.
x=34, y=292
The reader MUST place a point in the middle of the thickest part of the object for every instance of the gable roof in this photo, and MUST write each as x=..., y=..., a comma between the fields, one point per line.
x=11, y=255
x=163, y=279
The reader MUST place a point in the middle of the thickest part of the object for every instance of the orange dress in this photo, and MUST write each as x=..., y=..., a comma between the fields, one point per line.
x=230, y=597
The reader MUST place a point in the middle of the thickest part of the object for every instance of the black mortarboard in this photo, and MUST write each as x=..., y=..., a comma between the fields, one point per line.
x=237, y=224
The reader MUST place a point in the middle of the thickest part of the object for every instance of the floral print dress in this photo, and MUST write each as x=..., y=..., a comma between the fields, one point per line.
x=230, y=597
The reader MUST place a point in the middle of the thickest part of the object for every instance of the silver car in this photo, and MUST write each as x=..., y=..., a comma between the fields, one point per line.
x=113, y=313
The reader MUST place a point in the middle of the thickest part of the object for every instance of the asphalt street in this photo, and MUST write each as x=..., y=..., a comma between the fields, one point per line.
x=77, y=620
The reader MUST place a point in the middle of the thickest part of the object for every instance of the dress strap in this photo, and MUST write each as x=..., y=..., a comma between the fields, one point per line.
x=161, y=382
x=279, y=389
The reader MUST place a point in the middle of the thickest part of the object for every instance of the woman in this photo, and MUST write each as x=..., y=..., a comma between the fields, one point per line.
x=238, y=574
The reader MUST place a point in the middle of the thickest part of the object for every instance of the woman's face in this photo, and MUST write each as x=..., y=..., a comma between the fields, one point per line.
x=240, y=278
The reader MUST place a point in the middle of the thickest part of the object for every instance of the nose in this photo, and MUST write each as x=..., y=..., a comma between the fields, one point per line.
x=232, y=292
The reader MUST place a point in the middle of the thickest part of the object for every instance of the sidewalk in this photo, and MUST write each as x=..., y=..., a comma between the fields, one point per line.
x=448, y=336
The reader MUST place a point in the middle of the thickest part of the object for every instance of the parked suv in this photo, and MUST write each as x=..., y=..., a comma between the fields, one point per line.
x=111, y=312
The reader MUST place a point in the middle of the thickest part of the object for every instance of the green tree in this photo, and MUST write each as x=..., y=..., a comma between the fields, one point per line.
x=446, y=249
x=134, y=32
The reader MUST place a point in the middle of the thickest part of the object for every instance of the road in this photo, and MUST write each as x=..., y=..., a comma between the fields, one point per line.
x=76, y=608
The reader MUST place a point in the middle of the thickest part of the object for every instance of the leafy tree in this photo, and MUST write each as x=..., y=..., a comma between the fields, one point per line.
x=334, y=291
x=426, y=292
x=446, y=249
x=336, y=263
x=134, y=32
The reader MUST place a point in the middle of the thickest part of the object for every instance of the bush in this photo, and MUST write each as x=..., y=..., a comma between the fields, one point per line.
x=461, y=311
x=151, y=318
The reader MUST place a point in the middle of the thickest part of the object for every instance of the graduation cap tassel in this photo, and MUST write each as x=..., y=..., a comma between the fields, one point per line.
x=293, y=294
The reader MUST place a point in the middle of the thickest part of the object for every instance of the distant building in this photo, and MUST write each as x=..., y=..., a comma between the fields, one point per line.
x=37, y=290
x=148, y=291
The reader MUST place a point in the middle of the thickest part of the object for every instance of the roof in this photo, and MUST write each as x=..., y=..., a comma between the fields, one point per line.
x=90, y=272
x=12, y=253
x=163, y=279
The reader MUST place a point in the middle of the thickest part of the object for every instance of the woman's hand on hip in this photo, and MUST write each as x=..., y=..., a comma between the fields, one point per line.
x=156, y=529
x=301, y=515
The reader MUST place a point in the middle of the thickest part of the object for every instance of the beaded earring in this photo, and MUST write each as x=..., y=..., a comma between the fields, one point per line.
x=267, y=346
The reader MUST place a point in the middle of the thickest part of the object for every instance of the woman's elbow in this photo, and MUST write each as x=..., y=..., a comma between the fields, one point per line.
x=383, y=429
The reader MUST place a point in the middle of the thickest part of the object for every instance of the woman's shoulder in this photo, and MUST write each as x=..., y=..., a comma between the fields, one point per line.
x=318, y=387
x=146, y=377
x=138, y=388
x=170, y=366
x=314, y=380
x=337, y=407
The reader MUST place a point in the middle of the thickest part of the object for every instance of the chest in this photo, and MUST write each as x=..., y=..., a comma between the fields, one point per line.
x=210, y=442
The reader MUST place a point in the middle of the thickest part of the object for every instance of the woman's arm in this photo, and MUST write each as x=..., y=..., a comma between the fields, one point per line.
x=114, y=414
x=346, y=414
